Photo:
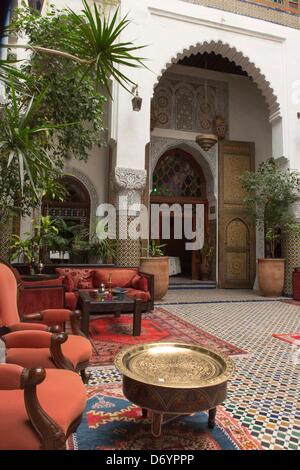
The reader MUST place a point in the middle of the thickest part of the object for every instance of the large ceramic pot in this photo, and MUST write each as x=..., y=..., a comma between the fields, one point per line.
x=159, y=267
x=271, y=276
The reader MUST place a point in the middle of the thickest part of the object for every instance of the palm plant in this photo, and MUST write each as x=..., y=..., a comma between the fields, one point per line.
x=97, y=42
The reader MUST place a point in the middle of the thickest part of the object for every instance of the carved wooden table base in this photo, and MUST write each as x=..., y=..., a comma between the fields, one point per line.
x=158, y=419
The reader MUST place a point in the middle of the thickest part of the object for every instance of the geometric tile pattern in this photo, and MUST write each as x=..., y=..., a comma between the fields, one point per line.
x=264, y=392
x=254, y=10
x=291, y=252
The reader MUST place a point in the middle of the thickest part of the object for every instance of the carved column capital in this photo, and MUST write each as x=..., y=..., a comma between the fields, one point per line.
x=130, y=179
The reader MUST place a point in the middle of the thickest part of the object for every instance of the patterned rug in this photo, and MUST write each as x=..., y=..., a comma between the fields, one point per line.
x=113, y=423
x=291, y=338
x=109, y=335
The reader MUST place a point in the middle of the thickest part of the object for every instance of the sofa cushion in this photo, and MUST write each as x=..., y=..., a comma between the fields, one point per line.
x=121, y=277
x=138, y=294
x=140, y=283
x=76, y=274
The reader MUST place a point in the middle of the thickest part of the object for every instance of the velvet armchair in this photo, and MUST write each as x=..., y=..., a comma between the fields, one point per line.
x=39, y=408
x=30, y=344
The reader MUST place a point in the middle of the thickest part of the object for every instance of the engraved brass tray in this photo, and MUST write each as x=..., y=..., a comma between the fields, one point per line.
x=174, y=365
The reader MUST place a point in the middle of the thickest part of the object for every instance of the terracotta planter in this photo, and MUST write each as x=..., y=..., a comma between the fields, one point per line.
x=271, y=276
x=159, y=267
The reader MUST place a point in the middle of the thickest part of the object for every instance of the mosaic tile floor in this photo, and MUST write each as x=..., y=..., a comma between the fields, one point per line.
x=264, y=394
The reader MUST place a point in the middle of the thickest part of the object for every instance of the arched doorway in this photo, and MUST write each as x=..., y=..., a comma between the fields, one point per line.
x=75, y=209
x=178, y=179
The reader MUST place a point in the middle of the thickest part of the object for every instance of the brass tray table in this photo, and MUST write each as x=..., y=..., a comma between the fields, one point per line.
x=171, y=379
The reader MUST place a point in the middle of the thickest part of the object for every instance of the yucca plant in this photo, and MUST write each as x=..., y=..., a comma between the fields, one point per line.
x=98, y=42
x=9, y=72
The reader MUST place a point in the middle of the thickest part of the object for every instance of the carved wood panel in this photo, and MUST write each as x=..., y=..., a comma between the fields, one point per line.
x=236, y=230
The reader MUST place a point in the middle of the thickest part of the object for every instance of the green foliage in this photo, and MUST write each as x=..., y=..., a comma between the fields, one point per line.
x=24, y=143
x=270, y=193
x=207, y=252
x=68, y=97
x=98, y=40
x=98, y=245
x=21, y=248
x=154, y=249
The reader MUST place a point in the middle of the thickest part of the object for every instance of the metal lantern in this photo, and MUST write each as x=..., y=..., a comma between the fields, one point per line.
x=136, y=100
x=206, y=141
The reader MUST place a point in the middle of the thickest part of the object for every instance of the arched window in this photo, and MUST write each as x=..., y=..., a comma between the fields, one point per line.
x=75, y=209
x=177, y=174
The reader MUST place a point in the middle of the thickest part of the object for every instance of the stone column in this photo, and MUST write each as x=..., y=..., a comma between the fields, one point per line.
x=128, y=186
x=291, y=253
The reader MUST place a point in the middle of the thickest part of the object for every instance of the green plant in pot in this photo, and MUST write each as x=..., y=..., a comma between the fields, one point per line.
x=207, y=253
x=156, y=263
x=270, y=193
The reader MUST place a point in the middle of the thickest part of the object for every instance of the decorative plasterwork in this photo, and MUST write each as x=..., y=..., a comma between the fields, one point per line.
x=224, y=49
x=129, y=182
x=84, y=179
x=189, y=104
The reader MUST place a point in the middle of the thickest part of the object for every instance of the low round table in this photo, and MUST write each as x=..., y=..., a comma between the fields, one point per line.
x=172, y=379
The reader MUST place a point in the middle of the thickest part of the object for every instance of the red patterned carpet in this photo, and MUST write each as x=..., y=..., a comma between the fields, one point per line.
x=109, y=335
x=291, y=338
x=113, y=423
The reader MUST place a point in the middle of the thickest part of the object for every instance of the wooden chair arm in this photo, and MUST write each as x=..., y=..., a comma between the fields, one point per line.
x=58, y=357
x=75, y=320
x=51, y=435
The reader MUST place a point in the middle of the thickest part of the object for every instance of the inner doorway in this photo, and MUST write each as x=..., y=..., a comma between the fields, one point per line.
x=178, y=179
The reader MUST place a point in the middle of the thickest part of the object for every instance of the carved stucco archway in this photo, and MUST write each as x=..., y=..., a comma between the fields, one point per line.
x=241, y=59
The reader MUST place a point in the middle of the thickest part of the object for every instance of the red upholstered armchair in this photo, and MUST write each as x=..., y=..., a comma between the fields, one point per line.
x=32, y=344
x=39, y=408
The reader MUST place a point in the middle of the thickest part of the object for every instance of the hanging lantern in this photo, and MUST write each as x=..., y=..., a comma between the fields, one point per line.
x=206, y=141
x=136, y=100
x=220, y=127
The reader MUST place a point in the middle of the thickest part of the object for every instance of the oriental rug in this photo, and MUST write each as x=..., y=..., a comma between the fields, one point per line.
x=291, y=338
x=109, y=335
x=111, y=422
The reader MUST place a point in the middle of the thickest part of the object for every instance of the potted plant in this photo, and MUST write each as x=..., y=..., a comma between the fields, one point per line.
x=207, y=252
x=270, y=192
x=158, y=265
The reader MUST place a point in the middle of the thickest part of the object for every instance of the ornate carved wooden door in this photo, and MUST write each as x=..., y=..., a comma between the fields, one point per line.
x=236, y=231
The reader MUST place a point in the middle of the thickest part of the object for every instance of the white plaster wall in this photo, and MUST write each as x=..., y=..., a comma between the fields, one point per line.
x=172, y=27
x=96, y=169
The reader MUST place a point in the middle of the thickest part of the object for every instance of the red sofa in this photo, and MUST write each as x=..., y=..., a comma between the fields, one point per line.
x=138, y=285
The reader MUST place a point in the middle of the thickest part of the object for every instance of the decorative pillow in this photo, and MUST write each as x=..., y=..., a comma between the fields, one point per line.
x=77, y=274
x=121, y=277
x=140, y=283
x=68, y=283
x=86, y=282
